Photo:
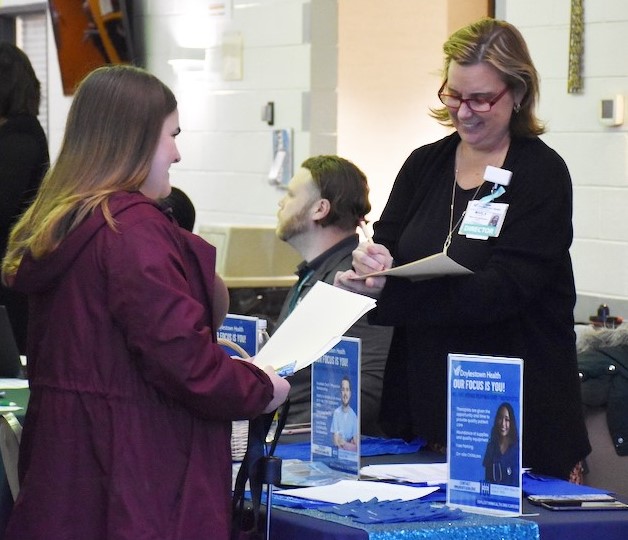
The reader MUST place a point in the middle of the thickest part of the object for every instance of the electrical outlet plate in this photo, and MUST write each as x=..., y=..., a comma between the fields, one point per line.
x=612, y=110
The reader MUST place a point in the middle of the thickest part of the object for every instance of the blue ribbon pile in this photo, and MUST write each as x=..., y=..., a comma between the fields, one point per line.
x=395, y=511
x=369, y=446
x=537, y=484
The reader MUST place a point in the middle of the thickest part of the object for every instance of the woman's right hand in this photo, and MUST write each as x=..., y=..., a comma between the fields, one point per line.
x=369, y=258
x=281, y=387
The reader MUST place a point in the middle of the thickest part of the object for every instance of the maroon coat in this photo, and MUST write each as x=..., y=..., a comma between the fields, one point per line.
x=128, y=426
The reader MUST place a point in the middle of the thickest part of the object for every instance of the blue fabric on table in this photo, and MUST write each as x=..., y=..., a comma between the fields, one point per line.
x=469, y=527
x=435, y=496
x=369, y=446
x=536, y=484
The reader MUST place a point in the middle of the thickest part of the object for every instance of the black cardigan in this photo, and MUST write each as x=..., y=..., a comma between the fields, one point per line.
x=519, y=301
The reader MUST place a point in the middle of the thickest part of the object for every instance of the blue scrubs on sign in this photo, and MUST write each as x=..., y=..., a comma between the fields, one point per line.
x=502, y=468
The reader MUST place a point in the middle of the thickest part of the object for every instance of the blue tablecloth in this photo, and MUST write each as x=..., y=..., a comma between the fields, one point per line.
x=471, y=527
x=312, y=524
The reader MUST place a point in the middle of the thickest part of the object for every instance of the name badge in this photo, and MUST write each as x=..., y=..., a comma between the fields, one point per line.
x=483, y=220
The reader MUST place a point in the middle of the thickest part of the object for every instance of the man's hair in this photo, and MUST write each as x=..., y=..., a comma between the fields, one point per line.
x=344, y=186
x=500, y=45
x=19, y=86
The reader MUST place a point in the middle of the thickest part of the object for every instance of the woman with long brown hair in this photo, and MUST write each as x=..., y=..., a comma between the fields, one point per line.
x=128, y=426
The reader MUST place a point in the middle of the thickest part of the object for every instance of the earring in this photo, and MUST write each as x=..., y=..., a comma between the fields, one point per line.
x=517, y=107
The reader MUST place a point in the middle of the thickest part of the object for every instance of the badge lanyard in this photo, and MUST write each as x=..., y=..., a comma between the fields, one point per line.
x=294, y=300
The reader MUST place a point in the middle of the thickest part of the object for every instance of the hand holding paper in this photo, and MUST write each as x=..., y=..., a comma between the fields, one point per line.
x=315, y=326
x=349, y=280
x=281, y=387
x=367, y=259
x=437, y=265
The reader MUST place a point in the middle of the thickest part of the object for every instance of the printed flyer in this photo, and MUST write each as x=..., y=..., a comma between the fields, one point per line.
x=336, y=407
x=485, y=431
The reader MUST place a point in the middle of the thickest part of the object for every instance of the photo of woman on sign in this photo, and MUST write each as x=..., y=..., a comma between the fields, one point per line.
x=501, y=460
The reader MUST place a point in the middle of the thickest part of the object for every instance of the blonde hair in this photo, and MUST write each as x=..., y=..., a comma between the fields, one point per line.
x=111, y=135
x=502, y=46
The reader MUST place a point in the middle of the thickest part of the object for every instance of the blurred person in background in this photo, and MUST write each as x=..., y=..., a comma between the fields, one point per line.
x=23, y=161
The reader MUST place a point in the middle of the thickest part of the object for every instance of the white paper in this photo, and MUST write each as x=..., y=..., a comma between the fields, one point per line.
x=417, y=473
x=314, y=326
x=10, y=384
x=437, y=265
x=9, y=408
x=350, y=490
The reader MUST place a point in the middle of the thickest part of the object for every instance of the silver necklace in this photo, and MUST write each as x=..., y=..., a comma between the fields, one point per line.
x=453, y=227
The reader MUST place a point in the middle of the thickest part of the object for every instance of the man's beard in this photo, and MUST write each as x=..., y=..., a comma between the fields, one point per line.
x=294, y=225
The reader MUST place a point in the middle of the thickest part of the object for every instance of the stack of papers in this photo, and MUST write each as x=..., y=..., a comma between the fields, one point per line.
x=315, y=326
x=353, y=490
x=429, y=474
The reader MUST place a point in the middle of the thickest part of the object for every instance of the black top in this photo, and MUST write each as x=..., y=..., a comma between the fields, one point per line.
x=519, y=301
x=23, y=162
x=375, y=341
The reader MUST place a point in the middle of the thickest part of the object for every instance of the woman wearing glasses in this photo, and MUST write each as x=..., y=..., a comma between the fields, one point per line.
x=519, y=300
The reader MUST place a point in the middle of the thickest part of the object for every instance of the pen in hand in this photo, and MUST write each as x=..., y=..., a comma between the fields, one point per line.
x=365, y=232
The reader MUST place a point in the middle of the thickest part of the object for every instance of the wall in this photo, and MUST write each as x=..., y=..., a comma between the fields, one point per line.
x=288, y=57
x=226, y=148
x=388, y=76
x=298, y=54
x=597, y=155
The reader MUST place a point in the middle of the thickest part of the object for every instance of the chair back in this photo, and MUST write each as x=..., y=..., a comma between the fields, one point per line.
x=10, y=436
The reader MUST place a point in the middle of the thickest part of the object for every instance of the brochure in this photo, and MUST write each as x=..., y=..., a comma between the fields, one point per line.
x=485, y=430
x=336, y=407
x=434, y=266
x=315, y=326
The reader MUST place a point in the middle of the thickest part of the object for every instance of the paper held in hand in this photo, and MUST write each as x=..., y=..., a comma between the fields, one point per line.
x=437, y=265
x=317, y=324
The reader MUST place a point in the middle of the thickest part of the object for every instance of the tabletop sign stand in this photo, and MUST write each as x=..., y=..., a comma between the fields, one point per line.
x=485, y=430
x=335, y=409
x=244, y=332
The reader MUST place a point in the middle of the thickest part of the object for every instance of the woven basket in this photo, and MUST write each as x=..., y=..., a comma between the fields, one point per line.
x=239, y=428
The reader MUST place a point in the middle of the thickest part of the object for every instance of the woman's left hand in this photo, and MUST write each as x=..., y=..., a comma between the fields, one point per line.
x=351, y=281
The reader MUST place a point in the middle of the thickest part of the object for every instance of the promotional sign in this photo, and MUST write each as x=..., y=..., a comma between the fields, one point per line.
x=485, y=430
x=336, y=407
x=243, y=331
